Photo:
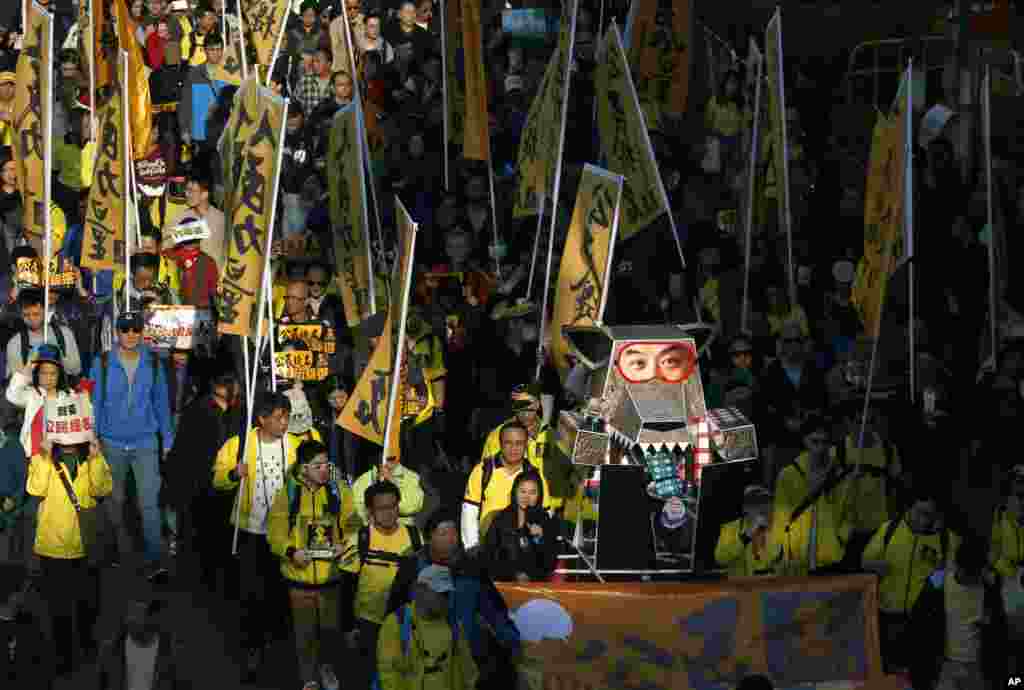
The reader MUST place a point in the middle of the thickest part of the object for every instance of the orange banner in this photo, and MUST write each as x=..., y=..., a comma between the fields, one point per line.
x=819, y=632
x=476, y=143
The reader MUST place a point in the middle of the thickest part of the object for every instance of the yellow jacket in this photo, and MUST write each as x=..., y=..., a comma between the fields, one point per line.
x=312, y=509
x=725, y=118
x=1007, y=552
x=832, y=533
x=738, y=558
x=227, y=461
x=74, y=164
x=534, y=446
x=58, y=534
x=865, y=505
x=402, y=666
x=911, y=559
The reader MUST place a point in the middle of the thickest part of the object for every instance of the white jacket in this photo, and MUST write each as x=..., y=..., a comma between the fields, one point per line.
x=23, y=394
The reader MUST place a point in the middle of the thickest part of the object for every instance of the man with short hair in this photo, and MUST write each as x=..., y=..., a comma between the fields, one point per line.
x=200, y=92
x=133, y=422
x=411, y=43
x=407, y=481
x=257, y=468
x=31, y=334
x=489, y=489
x=354, y=15
x=315, y=86
x=197, y=196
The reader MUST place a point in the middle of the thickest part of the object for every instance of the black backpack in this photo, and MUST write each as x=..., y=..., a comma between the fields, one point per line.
x=55, y=326
x=893, y=525
x=363, y=542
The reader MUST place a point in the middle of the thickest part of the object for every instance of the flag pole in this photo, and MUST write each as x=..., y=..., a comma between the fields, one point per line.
x=47, y=175
x=986, y=95
x=241, y=43
x=396, y=366
x=908, y=227
x=269, y=306
x=242, y=437
x=277, y=50
x=363, y=165
x=494, y=212
x=782, y=139
x=259, y=319
x=444, y=90
x=536, y=243
x=564, y=102
x=751, y=189
x=612, y=239
x=91, y=47
x=126, y=157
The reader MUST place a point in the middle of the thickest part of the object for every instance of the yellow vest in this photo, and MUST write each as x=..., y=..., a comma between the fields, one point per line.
x=911, y=559
x=739, y=559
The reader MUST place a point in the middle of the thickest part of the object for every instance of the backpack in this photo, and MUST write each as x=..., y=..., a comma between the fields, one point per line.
x=363, y=542
x=404, y=616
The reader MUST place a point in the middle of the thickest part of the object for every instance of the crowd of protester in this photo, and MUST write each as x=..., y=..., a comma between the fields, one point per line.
x=391, y=565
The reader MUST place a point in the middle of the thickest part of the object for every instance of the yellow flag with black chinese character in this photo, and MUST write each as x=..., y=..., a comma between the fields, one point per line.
x=103, y=241
x=265, y=21
x=883, y=220
x=476, y=141
x=33, y=103
x=366, y=412
x=539, y=144
x=660, y=53
x=583, y=273
x=260, y=121
x=346, y=190
x=624, y=140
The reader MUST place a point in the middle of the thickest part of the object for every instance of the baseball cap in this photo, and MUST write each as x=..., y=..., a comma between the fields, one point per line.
x=47, y=353
x=437, y=578
x=130, y=319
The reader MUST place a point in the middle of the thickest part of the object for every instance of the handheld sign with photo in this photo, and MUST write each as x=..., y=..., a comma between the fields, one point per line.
x=301, y=365
x=179, y=327
x=28, y=273
x=318, y=336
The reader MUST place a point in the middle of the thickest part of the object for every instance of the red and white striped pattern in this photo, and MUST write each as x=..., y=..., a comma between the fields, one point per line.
x=702, y=447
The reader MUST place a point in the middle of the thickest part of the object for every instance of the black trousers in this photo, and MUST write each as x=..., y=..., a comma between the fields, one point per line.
x=265, y=612
x=71, y=589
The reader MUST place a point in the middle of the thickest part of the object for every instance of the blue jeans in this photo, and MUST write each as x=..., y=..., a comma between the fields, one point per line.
x=145, y=467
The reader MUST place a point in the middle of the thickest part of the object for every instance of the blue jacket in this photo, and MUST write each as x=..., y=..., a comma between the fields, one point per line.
x=132, y=416
x=475, y=598
x=13, y=475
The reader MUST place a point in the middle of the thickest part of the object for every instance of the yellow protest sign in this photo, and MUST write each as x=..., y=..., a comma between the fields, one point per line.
x=366, y=412
x=33, y=104
x=301, y=365
x=103, y=241
x=540, y=142
x=316, y=336
x=660, y=53
x=625, y=142
x=265, y=20
x=583, y=273
x=346, y=189
x=136, y=95
x=28, y=273
x=256, y=164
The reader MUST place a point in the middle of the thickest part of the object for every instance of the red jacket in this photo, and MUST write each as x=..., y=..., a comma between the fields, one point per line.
x=199, y=275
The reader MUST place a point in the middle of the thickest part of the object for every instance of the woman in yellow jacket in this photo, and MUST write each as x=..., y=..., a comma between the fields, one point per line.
x=1007, y=552
x=69, y=479
x=418, y=649
x=306, y=529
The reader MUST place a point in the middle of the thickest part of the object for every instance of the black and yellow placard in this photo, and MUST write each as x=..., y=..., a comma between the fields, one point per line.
x=33, y=106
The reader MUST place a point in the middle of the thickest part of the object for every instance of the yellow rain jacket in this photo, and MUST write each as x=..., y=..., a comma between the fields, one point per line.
x=58, y=534
x=865, y=505
x=311, y=515
x=1007, y=552
x=414, y=653
x=739, y=559
x=832, y=533
x=911, y=558
x=227, y=460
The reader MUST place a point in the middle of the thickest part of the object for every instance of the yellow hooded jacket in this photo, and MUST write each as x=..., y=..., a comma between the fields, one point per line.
x=832, y=533
x=227, y=460
x=58, y=534
x=313, y=507
x=738, y=558
x=911, y=559
x=866, y=503
x=429, y=659
x=1007, y=552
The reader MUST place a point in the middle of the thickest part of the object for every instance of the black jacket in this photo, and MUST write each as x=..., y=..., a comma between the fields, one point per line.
x=777, y=399
x=928, y=628
x=188, y=470
x=509, y=549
